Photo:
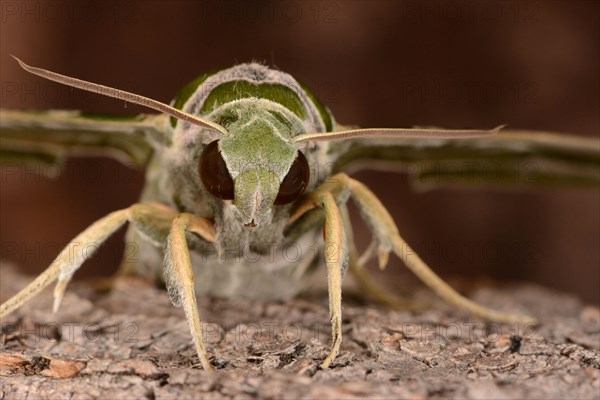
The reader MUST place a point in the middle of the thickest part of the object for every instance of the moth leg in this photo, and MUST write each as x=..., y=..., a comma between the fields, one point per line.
x=154, y=221
x=367, y=255
x=366, y=284
x=68, y=261
x=179, y=276
x=388, y=238
x=81, y=248
x=336, y=259
x=378, y=292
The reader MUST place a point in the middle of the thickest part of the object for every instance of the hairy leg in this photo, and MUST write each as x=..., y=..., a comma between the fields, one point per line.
x=386, y=239
x=68, y=261
x=157, y=223
x=366, y=284
x=179, y=276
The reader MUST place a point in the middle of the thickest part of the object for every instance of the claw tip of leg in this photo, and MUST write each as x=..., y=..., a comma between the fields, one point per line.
x=56, y=304
x=383, y=260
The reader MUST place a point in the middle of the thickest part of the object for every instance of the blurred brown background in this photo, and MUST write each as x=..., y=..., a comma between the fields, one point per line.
x=453, y=64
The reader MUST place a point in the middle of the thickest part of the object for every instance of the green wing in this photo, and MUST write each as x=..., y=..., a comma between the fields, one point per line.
x=509, y=157
x=49, y=136
x=512, y=157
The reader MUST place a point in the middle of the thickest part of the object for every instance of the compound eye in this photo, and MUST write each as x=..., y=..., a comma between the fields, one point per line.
x=294, y=182
x=213, y=172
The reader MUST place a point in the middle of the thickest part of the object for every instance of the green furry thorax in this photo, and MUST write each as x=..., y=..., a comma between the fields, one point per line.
x=185, y=93
x=235, y=90
x=210, y=91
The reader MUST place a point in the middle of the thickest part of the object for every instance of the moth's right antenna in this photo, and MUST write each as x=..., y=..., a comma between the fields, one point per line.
x=122, y=95
x=432, y=133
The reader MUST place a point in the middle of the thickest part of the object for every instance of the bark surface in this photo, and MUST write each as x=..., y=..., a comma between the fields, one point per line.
x=132, y=343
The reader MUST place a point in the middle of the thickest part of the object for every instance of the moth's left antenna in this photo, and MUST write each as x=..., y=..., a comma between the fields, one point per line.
x=121, y=95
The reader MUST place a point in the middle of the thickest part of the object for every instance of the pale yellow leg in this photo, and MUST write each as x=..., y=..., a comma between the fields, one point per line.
x=68, y=261
x=377, y=292
x=179, y=277
x=386, y=239
x=387, y=236
x=146, y=217
x=154, y=220
x=364, y=281
x=336, y=253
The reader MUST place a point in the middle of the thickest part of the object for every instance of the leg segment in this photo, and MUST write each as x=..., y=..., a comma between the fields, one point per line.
x=83, y=247
x=68, y=261
x=154, y=221
x=362, y=278
x=179, y=278
x=336, y=258
x=386, y=238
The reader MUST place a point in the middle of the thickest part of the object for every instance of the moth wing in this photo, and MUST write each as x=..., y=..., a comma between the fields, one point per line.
x=49, y=136
x=511, y=157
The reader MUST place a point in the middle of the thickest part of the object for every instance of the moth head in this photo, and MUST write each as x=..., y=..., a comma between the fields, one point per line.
x=255, y=165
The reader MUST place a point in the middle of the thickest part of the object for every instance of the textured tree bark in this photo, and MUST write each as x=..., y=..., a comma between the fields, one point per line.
x=131, y=343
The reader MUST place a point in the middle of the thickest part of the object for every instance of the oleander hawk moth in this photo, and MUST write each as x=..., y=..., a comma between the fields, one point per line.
x=246, y=162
